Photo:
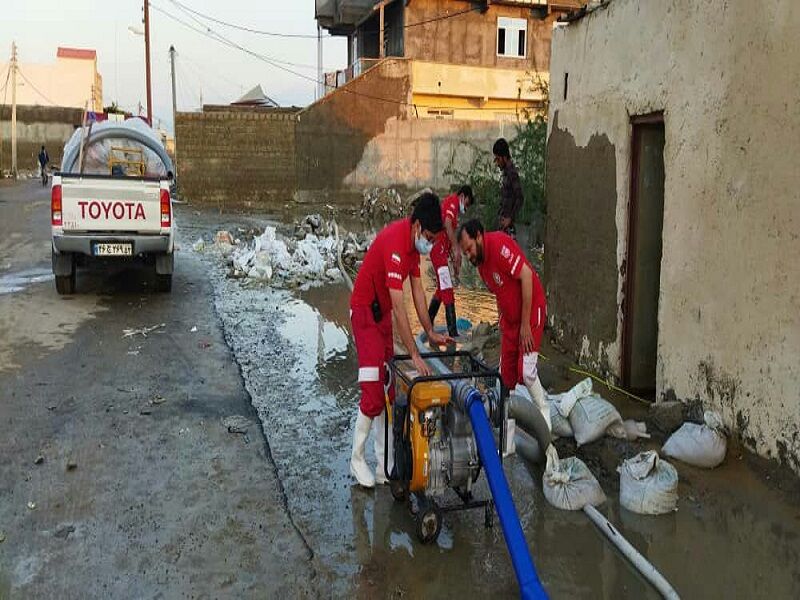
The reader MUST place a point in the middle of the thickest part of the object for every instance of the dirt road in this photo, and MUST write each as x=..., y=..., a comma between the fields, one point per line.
x=140, y=490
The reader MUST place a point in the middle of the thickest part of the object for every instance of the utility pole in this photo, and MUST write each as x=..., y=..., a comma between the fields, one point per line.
x=320, y=76
x=174, y=111
x=147, y=61
x=14, y=109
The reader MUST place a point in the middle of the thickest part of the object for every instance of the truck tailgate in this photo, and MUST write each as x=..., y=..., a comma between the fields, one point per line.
x=110, y=204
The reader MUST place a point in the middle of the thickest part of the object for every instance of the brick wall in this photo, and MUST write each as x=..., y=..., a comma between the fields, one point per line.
x=235, y=157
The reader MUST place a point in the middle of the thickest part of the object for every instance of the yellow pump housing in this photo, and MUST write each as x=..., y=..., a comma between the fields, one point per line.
x=428, y=399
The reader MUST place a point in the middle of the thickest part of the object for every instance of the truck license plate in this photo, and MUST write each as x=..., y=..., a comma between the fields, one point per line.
x=113, y=249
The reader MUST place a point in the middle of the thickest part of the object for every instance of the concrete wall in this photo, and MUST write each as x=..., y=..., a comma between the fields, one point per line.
x=726, y=78
x=236, y=157
x=333, y=132
x=416, y=153
x=36, y=126
x=365, y=134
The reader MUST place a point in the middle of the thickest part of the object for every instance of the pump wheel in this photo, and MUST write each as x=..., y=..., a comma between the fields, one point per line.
x=429, y=523
x=399, y=490
x=488, y=516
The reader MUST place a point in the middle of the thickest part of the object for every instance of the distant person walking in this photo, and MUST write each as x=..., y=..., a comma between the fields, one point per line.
x=511, y=198
x=44, y=159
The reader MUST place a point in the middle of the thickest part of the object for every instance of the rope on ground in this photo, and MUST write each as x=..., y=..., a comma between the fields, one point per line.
x=605, y=382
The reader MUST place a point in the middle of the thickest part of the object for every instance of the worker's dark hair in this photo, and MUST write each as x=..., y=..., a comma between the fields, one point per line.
x=466, y=191
x=428, y=212
x=473, y=227
x=500, y=148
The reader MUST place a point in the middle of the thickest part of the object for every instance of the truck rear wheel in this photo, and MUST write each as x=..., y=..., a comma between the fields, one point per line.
x=164, y=283
x=65, y=284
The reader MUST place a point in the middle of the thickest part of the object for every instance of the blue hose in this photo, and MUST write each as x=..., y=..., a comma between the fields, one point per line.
x=530, y=587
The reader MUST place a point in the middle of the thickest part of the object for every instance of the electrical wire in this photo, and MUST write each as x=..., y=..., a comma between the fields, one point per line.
x=5, y=85
x=34, y=87
x=272, y=62
x=247, y=29
x=206, y=30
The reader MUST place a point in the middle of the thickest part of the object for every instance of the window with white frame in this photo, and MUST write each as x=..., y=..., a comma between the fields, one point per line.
x=512, y=37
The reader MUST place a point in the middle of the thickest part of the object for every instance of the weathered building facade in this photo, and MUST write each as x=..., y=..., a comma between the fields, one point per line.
x=469, y=60
x=673, y=225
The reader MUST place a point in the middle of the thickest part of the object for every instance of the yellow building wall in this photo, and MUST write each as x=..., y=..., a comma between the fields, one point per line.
x=441, y=90
x=68, y=82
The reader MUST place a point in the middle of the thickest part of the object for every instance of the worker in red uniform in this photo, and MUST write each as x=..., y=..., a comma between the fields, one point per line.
x=446, y=249
x=377, y=295
x=521, y=304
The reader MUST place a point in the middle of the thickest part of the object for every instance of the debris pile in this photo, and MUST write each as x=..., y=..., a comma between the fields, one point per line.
x=382, y=203
x=306, y=257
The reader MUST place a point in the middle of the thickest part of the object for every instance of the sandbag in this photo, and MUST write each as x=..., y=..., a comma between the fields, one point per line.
x=564, y=402
x=590, y=417
x=648, y=485
x=699, y=445
x=568, y=484
x=560, y=424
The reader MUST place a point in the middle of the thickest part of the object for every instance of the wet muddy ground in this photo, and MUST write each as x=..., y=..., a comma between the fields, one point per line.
x=735, y=534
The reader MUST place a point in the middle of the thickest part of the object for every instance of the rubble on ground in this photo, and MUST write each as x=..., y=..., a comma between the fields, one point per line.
x=382, y=202
x=307, y=257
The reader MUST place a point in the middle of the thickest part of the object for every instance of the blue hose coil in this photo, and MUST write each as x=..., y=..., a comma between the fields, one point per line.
x=530, y=587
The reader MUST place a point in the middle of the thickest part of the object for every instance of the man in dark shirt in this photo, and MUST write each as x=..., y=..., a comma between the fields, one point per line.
x=510, y=188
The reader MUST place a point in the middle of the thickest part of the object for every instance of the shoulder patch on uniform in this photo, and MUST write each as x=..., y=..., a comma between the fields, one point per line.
x=505, y=251
x=396, y=258
x=497, y=278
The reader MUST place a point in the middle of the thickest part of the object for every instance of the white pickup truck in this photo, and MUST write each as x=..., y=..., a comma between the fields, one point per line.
x=98, y=216
x=120, y=209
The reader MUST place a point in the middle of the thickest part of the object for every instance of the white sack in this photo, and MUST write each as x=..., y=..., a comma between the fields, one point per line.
x=568, y=484
x=699, y=445
x=561, y=426
x=590, y=417
x=648, y=485
x=564, y=402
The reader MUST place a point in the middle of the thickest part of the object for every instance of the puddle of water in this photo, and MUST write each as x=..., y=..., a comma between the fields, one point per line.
x=721, y=543
x=731, y=537
x=18, y=281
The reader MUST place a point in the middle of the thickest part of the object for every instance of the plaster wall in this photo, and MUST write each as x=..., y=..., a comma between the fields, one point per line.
x=726, y=78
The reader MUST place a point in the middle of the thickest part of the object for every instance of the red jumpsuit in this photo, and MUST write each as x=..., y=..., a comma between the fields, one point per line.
x=390, y=259
x=502, y=264
x=441, y=252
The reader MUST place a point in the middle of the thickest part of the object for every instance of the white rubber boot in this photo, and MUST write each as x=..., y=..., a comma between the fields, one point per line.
x=539, y=396
x=358, y=463
x=377, y=431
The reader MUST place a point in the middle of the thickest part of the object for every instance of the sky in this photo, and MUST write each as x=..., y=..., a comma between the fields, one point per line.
x=203, y=65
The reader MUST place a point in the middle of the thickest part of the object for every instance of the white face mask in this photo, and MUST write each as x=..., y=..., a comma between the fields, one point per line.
x=462, y=206
x=422, y=245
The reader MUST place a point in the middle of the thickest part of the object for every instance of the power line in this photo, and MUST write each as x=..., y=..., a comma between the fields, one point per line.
x=211, y=34
x=34, y=87
x=243, y=28
x=5, y=85
x=214, y=35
